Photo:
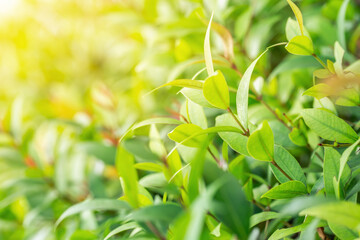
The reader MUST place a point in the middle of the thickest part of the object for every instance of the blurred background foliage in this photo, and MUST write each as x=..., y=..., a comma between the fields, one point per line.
x=74, y=74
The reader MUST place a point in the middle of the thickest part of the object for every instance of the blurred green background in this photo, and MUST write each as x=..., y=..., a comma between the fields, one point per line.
x=73, y=75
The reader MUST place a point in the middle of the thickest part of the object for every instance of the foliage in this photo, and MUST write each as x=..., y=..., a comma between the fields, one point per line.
x=262, y=143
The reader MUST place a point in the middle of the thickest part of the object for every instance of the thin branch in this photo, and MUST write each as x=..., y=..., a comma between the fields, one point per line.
x=155, y=231
x=322, y=234
x=320, y=61
x=282, y=171
x=259, y=98
x=213, y=155
x=246, y=132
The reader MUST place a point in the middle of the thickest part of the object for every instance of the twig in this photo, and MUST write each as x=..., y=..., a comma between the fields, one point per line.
x=246, y=132
x=155, y=230
x=322, y=234
x=213, y=155
x=282, y=171
x=259, y=98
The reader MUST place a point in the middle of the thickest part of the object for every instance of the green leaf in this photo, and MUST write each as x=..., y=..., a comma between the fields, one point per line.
x=207, y=49
x=190, y=225
x=339, y=54
x=331, y=169
x=248, y=189
x=149, y=166
x=216, y=90
x=207, y=131
x=196, y=96
x=342, y=213
x=283, y=233
x=128, y=175
x=310, y=233
x=99, y=150
x=156, y=144
x=197, y=166
x=262, y=217
x=354, y=67
x=147, y=122
x=300, y=45
x=288, y=164
x=242, y=23
x=319, y=91
x=122, y=228
x=297, y=137
x=92, y=205
x=238, y=168
x=289, y=189
x=226, y=38
x=329, y=126
x=165, y=212
x=292, y=29
x=330, y=66
x=348, y=97
x=235, y=140
x=242, y=94
x=260, y=144
x=322, y=73
x=298, y=15
x=184, y=83
x=182, y=132
x=230, y=205
x=196, y=114
x=342, y=232
x=345, y=157
x=340, y=23
x=174, y=165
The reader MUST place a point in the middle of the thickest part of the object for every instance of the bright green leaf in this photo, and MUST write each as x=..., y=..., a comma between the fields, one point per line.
x=329, y=126
x=342, y=213
x=122, y=228
x=331, y=169
x=340, y=22
x=342, y=232
x=319, y=91
x=174, y=165
x=149, y=166
x=197, y=96
x=288, y=164
x=235, y=140
x=345, y=157
x=242, y=95
x=339, y=54
x=300, y=45
x=292, y=29
x=260, y=144
x=298, y=15
x=348, y=97
x=263, y=216
x=181, y=132
x=289, y=189
x=185, y=83
x=283, y=233
x=207, y=49
x=165, y=212
x=297, y=137
x=128, y=175
x=92, y=205
x=196, y=114
x=216, y=90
